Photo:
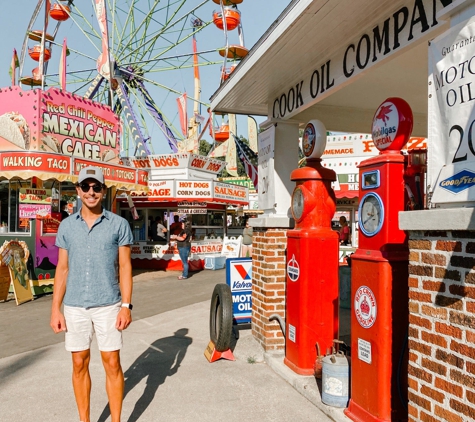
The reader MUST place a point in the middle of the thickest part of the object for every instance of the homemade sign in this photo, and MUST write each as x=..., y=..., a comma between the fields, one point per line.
x=231, y=247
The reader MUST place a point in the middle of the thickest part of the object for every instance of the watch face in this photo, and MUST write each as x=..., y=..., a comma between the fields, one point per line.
x=297, y=203
x=371, y=214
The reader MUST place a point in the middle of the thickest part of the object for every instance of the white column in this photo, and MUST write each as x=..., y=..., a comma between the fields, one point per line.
x=286, y=157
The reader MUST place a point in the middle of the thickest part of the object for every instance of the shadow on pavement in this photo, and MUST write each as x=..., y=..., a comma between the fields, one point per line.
x=20, y=363
x=161, y=360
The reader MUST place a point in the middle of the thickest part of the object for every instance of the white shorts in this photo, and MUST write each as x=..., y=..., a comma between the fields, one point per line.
x=81, y=324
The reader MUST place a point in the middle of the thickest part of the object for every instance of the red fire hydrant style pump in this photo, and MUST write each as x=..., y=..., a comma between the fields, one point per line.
x=312, y=259
x=379, y=281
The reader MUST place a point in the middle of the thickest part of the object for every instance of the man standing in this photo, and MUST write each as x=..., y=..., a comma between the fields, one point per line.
x=184, y=247
x=94, y=254
x=176, y=227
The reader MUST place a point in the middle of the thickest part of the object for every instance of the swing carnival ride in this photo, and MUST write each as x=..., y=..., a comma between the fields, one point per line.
x=129, y=55
x=228, y=19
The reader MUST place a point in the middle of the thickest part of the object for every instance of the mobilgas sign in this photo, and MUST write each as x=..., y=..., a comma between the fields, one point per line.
x=239, y=278
x=399, y=29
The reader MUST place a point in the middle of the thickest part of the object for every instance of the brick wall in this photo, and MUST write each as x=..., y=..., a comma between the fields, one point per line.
x=442, y=326
x=268, y=290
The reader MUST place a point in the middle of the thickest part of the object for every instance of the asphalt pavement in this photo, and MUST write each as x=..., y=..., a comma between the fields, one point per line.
x=167, y=375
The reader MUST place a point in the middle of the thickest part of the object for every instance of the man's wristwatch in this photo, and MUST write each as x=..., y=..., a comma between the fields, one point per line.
x=127, y=305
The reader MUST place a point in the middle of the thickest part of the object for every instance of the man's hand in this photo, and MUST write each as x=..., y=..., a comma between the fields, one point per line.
x=123, y=319
x=57, y=322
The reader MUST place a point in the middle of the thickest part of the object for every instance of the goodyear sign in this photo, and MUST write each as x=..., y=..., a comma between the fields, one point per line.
x=239, y=278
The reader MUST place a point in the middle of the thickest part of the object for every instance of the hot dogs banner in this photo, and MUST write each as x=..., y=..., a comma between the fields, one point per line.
x=191, y=190
x=451, y=116
x=229, y=247
x=55, y=133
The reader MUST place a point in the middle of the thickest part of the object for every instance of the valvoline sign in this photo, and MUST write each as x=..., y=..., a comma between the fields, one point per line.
x=239, y=279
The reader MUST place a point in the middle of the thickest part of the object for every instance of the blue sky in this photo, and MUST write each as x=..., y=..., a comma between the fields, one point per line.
x=257, y=16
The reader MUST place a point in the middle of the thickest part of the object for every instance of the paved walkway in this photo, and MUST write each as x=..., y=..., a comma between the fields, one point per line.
x=167, y=376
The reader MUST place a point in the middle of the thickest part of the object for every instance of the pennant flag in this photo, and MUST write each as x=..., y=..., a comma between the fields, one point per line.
x=14, y=66
x=248, y=159
x=252, y=133
x=231, y=164
x=181, y=101
x=220, y=151
x=199, y=118
x=103, y=62
x=62, y=66
x=196, y=69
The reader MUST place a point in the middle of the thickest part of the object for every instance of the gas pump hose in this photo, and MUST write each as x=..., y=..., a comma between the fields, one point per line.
x=399, y=368
x=278, y=318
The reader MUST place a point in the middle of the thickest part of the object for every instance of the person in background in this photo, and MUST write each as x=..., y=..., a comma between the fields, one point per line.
x=94, y=252
x=160, y=231
x=63, y=205
x=149, y=227
x=184, y=247
x=246, y=240
x=176, y=227
x=344, y=231
x=153, y=230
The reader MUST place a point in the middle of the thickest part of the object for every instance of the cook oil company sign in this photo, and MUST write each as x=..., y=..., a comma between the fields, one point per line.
x=393, y=32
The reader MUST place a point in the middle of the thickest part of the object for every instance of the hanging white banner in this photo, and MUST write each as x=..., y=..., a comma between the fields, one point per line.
x=451, y=115
x=266, y=142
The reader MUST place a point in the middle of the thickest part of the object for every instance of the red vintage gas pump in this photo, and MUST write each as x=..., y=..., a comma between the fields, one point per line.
x=312, y=259
x=379, y=282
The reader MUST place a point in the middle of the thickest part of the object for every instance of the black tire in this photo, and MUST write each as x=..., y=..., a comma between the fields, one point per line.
x=221, y=317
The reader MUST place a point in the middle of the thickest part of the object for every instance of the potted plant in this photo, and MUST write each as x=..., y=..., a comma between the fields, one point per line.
x=3, y=227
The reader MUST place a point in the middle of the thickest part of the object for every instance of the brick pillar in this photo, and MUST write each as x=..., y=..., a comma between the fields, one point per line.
x=268, y=290
x=441, y=326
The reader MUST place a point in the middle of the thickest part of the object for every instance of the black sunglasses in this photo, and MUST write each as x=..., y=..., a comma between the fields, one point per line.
x=85, y=187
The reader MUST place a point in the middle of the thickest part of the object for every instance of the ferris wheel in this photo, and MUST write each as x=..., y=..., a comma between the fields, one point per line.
x=150, y=47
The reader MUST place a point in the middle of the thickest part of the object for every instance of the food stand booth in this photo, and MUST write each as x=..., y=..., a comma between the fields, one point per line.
x=183, y=185
x=46, y=138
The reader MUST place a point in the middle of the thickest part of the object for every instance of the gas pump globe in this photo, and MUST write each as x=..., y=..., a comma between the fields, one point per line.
x=379, y=275
x=312, y=259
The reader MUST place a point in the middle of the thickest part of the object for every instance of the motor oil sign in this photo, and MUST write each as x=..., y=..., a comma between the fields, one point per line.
x=239, y=279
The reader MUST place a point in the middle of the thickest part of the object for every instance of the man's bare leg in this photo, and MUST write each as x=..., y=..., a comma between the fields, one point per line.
x=114, y=383
x=82, y=383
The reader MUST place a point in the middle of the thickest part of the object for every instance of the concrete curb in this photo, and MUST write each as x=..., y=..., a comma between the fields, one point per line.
x=308, y=387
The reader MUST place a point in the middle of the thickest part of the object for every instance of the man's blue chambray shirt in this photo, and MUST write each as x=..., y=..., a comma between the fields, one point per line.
x=93, y=256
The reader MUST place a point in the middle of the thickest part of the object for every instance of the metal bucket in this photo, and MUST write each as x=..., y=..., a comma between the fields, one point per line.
x=335, y=380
